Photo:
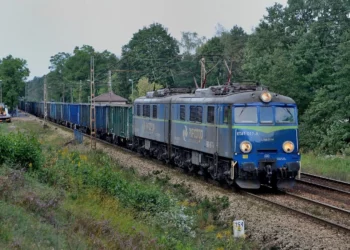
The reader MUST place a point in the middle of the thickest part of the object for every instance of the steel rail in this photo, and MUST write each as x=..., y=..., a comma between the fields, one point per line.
x=326, y=179
x=322, y=186
x=318, y=203
x=313, y=217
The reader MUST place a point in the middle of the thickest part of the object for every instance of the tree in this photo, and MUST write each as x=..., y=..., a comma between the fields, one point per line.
x=326, y=123
x=152, y=52
x=143, y=86
x=36, y=89
x=190, y=42
x=213, y=52
x=68, y=71
x=55, y=78
x=13, y=73
x=234, y=43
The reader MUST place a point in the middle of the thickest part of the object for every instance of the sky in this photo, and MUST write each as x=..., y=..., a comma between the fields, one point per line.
x=35, y=30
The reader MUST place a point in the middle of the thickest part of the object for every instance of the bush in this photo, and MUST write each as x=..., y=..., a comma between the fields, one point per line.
x=73, y=172
x=20, y=149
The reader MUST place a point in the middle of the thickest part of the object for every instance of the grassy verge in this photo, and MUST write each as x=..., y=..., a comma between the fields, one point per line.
x=78, y=199
x=337, y=167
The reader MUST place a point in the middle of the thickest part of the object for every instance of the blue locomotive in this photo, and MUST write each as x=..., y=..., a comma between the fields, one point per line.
x=239, y=133
x=236, y=133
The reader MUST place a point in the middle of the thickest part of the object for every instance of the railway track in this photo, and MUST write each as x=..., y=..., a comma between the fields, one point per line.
x=322, y=218
x=262, y=198
x=325, y=183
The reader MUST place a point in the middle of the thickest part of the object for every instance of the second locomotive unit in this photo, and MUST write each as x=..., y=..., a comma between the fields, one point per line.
x=236, y=133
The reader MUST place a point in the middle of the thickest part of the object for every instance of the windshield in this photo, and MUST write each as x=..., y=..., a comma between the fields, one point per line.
x=285, y=115
x=266, y=115
x=246, y=115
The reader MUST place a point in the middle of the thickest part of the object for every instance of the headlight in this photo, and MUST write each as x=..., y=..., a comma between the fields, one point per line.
x=288, y=146
x=245, y=146
x=266, y=97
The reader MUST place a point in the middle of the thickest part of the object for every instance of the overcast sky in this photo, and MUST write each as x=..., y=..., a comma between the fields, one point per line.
x=37, y=29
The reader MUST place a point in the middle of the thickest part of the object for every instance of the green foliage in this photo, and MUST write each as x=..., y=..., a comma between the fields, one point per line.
x=70, y=171
x=13, y=72
x=331, y=166
x=20, y=149
x=301, y=51
x=70, y=72
x=153, y=53
x=143, y=86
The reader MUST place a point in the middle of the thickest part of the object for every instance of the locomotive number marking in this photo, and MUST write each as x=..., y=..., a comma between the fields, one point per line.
x=209, y=144
x=249, y=133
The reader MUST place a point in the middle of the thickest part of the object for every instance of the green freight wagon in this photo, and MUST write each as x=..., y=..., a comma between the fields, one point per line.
x=120, y=123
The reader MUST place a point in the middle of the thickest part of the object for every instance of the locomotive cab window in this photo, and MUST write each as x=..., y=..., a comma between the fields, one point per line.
x=193, y=113
x=246, y=115
x=146, y=111
x=138, y=110
x=154, y=111
x=266, y=115
x=199, y=114
x=210, y=114
x=227, y=114
x=196, y=113
x=182, y=112
x=285, y=115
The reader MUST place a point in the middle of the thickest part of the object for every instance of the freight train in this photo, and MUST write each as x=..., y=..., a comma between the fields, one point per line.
x=240, y=134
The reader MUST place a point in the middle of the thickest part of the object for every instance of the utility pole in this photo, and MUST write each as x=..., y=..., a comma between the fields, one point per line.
x=92, y=105
x=45, y=106
x=203, y=72
x=109, y=81
x=26, y=97
x=0, y=91
x=64, y=90
x=80, y=92
x=132, y=87
x=71, y=94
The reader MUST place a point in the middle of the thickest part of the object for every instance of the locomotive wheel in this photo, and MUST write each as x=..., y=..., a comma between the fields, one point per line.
x=228, y=180
x=212, y=173
x=191, y=168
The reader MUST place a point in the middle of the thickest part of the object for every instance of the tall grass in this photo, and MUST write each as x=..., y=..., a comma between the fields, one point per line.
x=337, y=167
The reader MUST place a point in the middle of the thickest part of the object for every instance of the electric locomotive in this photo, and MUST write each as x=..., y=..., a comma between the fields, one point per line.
x=234, y=133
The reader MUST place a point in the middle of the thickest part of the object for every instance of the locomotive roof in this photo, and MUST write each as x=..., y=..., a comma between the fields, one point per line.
x=231, y=98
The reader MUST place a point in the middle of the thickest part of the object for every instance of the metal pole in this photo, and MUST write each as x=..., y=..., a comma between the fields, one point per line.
x=109, y=81
x=92, y=105
x=203, y=72
x=132, y=87
x=45, y=107
x=1, y=91
x=80, y=92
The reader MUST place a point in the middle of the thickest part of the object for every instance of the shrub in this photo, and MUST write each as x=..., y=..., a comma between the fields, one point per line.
x=20, y=149
x=72, y=172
